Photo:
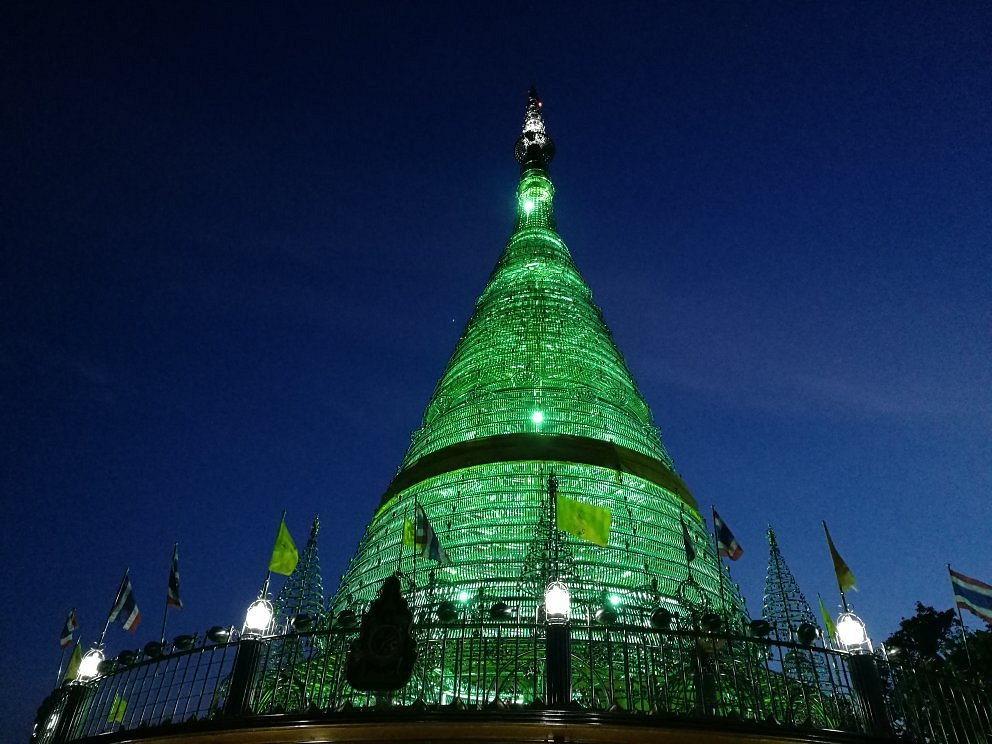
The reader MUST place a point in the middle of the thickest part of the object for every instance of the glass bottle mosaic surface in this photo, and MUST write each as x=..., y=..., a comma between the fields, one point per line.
x=536, y=387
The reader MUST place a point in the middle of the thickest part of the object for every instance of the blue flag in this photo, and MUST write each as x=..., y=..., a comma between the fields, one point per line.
x=125, y=607
x=972, y=595
x=71, y=624
x=172, y=598
x=725, y=541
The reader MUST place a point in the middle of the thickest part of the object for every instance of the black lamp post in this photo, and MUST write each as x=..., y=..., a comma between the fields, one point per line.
x=558, y=646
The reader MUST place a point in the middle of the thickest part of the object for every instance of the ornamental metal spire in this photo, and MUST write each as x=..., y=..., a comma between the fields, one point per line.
x=534, y=148
x=786, y=609
x=303, y=592
x=784, y=604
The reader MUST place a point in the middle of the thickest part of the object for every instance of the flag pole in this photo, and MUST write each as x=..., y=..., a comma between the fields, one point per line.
x=413, y=578
x=416, y=504
x=553, y=523
x=58, y=676
x=70, y=614
x=688, y=560
x=964, y=635
x=399, y=554
x=840, y=588
x=268, y=571
x=716, y=545
x=165, y=614
x=99, y=643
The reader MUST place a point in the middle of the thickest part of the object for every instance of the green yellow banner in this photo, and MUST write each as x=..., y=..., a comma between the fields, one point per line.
x=828, y=623
x=845, y=577
x=285, y=556
x=585, y=521
x=117, y=710
x=72, y=671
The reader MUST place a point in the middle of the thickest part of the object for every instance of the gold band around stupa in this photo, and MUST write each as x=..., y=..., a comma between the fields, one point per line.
x=545, y=447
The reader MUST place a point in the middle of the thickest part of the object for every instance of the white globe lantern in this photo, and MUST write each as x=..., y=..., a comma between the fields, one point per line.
x=852, y=634
x=258, y=619
x=88, y=665
x=557, y=602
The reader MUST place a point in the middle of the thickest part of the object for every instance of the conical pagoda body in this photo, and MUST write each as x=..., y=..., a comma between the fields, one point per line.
x=536, y=392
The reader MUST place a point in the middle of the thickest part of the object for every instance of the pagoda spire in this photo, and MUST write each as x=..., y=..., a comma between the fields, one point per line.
x=534, y=148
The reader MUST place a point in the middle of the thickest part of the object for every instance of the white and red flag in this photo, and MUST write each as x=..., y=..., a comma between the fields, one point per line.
x=71, y=624
x=726, y=543
x=125, y=607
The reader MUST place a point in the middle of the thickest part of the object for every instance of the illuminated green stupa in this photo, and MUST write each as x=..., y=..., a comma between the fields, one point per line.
x=536, y=387
x=462, y=632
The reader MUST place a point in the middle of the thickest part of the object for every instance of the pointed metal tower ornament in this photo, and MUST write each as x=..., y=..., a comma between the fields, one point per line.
x=785, y=608
x=303, y=593
x=783, y=605
x=536, y=386
x=534, y=148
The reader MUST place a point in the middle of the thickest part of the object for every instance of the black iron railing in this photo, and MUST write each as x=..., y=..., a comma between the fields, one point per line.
x=485, y=665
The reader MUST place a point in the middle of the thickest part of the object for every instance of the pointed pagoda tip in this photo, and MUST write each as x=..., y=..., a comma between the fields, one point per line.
x=315, y=526
x=534, y=148
x=533, y=120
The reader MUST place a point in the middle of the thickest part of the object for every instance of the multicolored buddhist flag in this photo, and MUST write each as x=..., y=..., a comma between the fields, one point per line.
x=972, y=595
x=425, y=538
x=585, y=521
x=71, y=624
x=726, y=543
x=285, y=556
x=125, y=607
x=172, y=598
x=845, y=578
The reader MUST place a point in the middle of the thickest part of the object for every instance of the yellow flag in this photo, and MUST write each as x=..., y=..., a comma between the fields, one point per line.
x=585, y=521
x=117, y=710
x=285, y=556
x=72, y=671
x=827, y=622
x=845, y=578
x=409, y=533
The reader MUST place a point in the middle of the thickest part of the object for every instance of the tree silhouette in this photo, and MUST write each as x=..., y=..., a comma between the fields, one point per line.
x=932, y=639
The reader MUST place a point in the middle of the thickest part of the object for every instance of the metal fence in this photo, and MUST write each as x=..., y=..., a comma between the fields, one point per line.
x=620, y=670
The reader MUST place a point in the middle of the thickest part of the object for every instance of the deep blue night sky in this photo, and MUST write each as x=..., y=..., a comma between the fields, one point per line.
x=239, y=244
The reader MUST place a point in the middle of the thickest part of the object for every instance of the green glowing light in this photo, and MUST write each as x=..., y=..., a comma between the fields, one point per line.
x=537, y=417
x=614, y=600
x=529, y=206
x=463, y=596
